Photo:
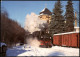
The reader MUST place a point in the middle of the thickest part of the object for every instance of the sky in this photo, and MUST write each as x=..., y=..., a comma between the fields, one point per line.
x=18, y=10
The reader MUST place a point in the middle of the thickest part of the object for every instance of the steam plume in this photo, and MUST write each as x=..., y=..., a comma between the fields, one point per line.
x=32, y=22
x=33, y=42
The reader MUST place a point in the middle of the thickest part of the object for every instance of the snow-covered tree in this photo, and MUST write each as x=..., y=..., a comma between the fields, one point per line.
x=69, y=16
x=57, y=21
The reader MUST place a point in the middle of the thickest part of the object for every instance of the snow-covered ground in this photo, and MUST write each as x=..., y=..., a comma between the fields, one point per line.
x=36, y=51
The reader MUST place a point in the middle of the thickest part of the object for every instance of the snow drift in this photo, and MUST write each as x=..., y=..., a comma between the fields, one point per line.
x=54, y=51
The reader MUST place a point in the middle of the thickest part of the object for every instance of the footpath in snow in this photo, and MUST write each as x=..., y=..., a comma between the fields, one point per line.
x=36, y=51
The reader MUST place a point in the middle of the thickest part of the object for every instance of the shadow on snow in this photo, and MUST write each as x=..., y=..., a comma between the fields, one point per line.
x=16, y=51
x=56, y=53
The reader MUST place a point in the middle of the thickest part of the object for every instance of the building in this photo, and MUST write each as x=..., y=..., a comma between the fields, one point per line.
x=76, y=29
x=45, y=14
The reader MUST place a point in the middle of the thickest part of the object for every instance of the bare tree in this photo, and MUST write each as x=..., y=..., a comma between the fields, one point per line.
x=11, y=31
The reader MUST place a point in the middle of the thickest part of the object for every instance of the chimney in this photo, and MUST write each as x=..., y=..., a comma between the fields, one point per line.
x=75, y=19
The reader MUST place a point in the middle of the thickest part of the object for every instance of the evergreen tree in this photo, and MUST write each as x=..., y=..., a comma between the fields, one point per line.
x=69, y=17
x=57, y=21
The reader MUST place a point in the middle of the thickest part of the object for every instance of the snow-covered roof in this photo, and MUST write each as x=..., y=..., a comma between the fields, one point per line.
x=1, y=44
x=43, y=9
x=66, y=33
x=76, y=27
x=46, y=11
x=43, y=14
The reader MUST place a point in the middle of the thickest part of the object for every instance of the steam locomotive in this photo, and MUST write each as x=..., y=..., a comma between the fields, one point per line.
x=44, y=38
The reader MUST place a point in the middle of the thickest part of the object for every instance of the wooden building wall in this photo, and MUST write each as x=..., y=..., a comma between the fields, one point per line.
x=70, y=40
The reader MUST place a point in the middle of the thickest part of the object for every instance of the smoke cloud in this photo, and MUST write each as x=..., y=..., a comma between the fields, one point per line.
x=32, y=22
